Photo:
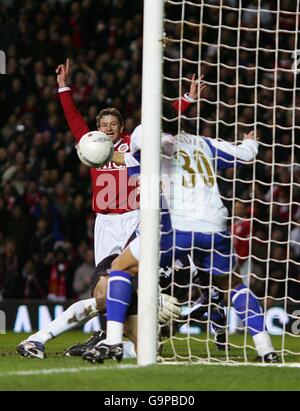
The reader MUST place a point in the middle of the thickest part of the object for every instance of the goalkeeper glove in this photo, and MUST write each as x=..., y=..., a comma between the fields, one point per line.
x=168, y=308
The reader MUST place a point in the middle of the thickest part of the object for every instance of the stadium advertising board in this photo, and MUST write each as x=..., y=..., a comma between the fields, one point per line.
x=27, y=316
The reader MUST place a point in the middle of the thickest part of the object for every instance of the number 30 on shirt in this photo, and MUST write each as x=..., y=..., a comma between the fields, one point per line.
x=203, y=169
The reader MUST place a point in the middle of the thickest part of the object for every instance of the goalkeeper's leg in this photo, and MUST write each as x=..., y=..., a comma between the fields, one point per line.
x=118, y=297
x=219, y=262
x=248, y=309
x=179, y=284
x=218, y=319
x=76, y=315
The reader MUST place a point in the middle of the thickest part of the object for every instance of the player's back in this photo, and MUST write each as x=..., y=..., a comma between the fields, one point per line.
x=189, y=182
x=190, y=185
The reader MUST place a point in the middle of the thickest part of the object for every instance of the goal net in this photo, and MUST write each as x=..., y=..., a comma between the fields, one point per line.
x=247, y=51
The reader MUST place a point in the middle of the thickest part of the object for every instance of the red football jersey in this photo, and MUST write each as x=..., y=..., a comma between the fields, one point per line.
x=241, y=239
x=113, y=190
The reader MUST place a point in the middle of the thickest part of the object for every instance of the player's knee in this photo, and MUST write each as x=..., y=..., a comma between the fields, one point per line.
x=125, y=262
x=120, y=265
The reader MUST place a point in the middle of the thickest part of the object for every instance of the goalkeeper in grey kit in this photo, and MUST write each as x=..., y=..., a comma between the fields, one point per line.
x=82, y=311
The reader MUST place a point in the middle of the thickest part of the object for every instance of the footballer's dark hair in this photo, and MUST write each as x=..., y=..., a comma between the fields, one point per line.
x=110, y=111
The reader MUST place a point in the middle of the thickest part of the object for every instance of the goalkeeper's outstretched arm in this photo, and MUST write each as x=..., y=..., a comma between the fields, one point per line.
x=74, y=119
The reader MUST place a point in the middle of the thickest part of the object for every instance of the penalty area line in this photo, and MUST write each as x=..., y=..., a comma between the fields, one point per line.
x=74, y=370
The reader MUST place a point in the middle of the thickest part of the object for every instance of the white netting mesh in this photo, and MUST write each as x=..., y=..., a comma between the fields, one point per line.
x=247, y=51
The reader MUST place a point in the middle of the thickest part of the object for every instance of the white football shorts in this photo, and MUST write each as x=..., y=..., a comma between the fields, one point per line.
x=112, y=232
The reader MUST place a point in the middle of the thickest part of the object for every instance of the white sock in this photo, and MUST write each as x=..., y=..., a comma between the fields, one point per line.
x=114, y=332
x=263, y=343
x=128, y=350
x=75, y=315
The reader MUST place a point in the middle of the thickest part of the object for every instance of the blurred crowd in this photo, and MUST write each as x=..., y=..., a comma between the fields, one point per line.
x=46, y=222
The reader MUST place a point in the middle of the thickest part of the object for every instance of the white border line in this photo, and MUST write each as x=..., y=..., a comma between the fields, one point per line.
x=97, y=367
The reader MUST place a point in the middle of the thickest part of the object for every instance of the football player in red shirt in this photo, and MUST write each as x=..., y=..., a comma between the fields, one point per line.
x=114, y=202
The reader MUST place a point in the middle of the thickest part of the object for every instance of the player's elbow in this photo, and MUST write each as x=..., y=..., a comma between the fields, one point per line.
x=248, y=154
x=249, y=158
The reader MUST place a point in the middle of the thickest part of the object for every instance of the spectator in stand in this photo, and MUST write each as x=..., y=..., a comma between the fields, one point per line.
x=42, y=241
x=295, y=238
x=32, y=286
x=3, y=216
x=82, y=277
x=18, y=227
x=60, y=276
x=76, y=220
x=47, y=209
x=2, y=273
x=12, y=283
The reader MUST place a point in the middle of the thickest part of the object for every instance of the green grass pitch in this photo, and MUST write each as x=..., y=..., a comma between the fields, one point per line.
x=57, y=372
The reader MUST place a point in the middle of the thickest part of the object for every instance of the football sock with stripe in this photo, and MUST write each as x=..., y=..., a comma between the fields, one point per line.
x=248, y=309
x=118, y=298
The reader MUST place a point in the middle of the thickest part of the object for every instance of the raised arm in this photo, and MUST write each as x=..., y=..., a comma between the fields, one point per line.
x=227, y=154
x=196, y=89
x=246, y=151
x=74, y=119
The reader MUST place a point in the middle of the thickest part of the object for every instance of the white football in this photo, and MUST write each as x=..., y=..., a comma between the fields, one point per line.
x=95, y=149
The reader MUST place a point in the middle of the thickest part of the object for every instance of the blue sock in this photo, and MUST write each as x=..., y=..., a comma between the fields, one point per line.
x=119, y=294
x=248, y=309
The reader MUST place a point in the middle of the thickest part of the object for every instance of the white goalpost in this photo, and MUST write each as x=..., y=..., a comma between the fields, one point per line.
x=249, y=54
x=150, y=189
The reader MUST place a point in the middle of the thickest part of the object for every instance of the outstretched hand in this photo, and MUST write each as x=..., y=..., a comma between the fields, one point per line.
x=62, y=72
x=169, y=308
x=195, y=85
x=249, y=136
